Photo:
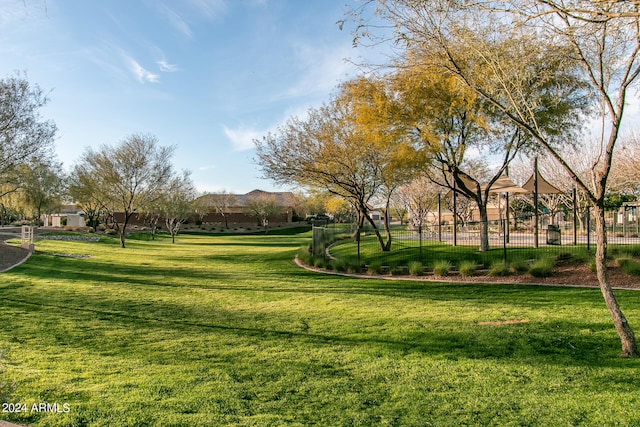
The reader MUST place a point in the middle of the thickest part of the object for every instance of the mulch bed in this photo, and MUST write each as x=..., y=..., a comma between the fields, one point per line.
x=564, y=274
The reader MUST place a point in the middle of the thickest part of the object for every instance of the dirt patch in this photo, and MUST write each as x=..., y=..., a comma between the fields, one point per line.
x=565, y=274
x=11, y=255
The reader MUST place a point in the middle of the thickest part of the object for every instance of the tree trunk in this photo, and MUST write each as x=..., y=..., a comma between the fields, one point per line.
x=627, y=337
x=122, y=238
x=387, y=229
x=384, y=247
x=484, y=227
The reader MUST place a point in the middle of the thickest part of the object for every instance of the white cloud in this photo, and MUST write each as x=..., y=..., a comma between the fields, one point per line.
x=207, y=168
x=166, y=67
x=176, y=21
x=242, y=138
x=323, y=68
x=142, y=74
x=209, y=8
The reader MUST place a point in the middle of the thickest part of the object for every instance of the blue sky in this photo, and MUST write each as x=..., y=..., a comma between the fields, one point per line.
x=207, y=76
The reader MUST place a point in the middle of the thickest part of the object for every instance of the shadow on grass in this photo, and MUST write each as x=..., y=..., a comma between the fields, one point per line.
x=557, y=342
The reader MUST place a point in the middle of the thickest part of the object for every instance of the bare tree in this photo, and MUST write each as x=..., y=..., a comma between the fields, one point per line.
x=83, y=191
x=176, y=202
x=420, y=197
x=221, y=203
x=42, y=184
x=126, y=178
x=263, y=207
x=23, y=132
x=625, y=172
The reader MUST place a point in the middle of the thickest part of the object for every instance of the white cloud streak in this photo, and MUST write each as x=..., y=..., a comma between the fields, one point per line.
x=141, y=74
x=323, y=68
x=209, y=8
x=242, y=137
x=166, y=67
x=176, y=21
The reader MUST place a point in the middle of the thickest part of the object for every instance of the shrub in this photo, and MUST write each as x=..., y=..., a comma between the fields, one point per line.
x=375, y=267
x=304, y=255
x=467, y=268
x=592, y=266
x=441, y=268
x=520, y=266
x=415, y=268
x=632, y=268
x=542, y=267
x=338, y=265
x=319, y=263
x=499, y=268
x=394, y=270
x=563, y=256
x=623, y=260
x=581, y=257
x=354, y=267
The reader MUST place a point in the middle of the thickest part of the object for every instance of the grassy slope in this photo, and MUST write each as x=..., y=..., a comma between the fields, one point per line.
x=227, y=330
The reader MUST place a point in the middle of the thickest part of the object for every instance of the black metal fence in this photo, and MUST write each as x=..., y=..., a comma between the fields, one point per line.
x=512, y=240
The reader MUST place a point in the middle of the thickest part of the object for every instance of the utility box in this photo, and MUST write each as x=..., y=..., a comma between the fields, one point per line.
x=553, y=235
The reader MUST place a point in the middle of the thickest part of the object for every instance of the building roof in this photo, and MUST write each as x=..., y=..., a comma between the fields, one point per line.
x=285, y=198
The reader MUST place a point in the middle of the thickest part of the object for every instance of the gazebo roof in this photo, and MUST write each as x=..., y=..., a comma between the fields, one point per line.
x=544, y=187
x=505, y=185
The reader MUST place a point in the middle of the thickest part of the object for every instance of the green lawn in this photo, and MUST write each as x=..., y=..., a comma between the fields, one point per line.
x=227, y=330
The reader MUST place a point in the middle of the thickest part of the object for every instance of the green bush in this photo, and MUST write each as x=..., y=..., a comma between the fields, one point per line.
x=632, y=268
x=395, y=270
x=415, y=268
x=623, y=260
x=304, y=256
x=353, y=267
x=499, y=268
x=338, y=265
x=467, y=268
x=592, y=266
x=319, y=263
x=520, y=266
x=441, y=267
x=581, y=257
x=375, y=267
x=542, y=267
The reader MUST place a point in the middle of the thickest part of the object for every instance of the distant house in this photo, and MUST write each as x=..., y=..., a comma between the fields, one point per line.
x=67, y=215
x=237, y=210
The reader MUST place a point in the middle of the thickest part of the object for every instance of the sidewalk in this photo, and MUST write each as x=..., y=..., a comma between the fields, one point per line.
x=8, y=424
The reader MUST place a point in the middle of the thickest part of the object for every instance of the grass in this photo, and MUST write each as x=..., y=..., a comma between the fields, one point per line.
x=227, y=330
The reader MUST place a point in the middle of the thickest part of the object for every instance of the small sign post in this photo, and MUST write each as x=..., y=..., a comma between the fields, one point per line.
x=27, y=237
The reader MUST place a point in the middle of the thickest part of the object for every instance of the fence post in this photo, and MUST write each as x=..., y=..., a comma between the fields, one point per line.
x=504, y=241
x=358, y=241
x=420, y=239
x=535, y=202
x=439, y=218
x=588, y=227
x=575, y=218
